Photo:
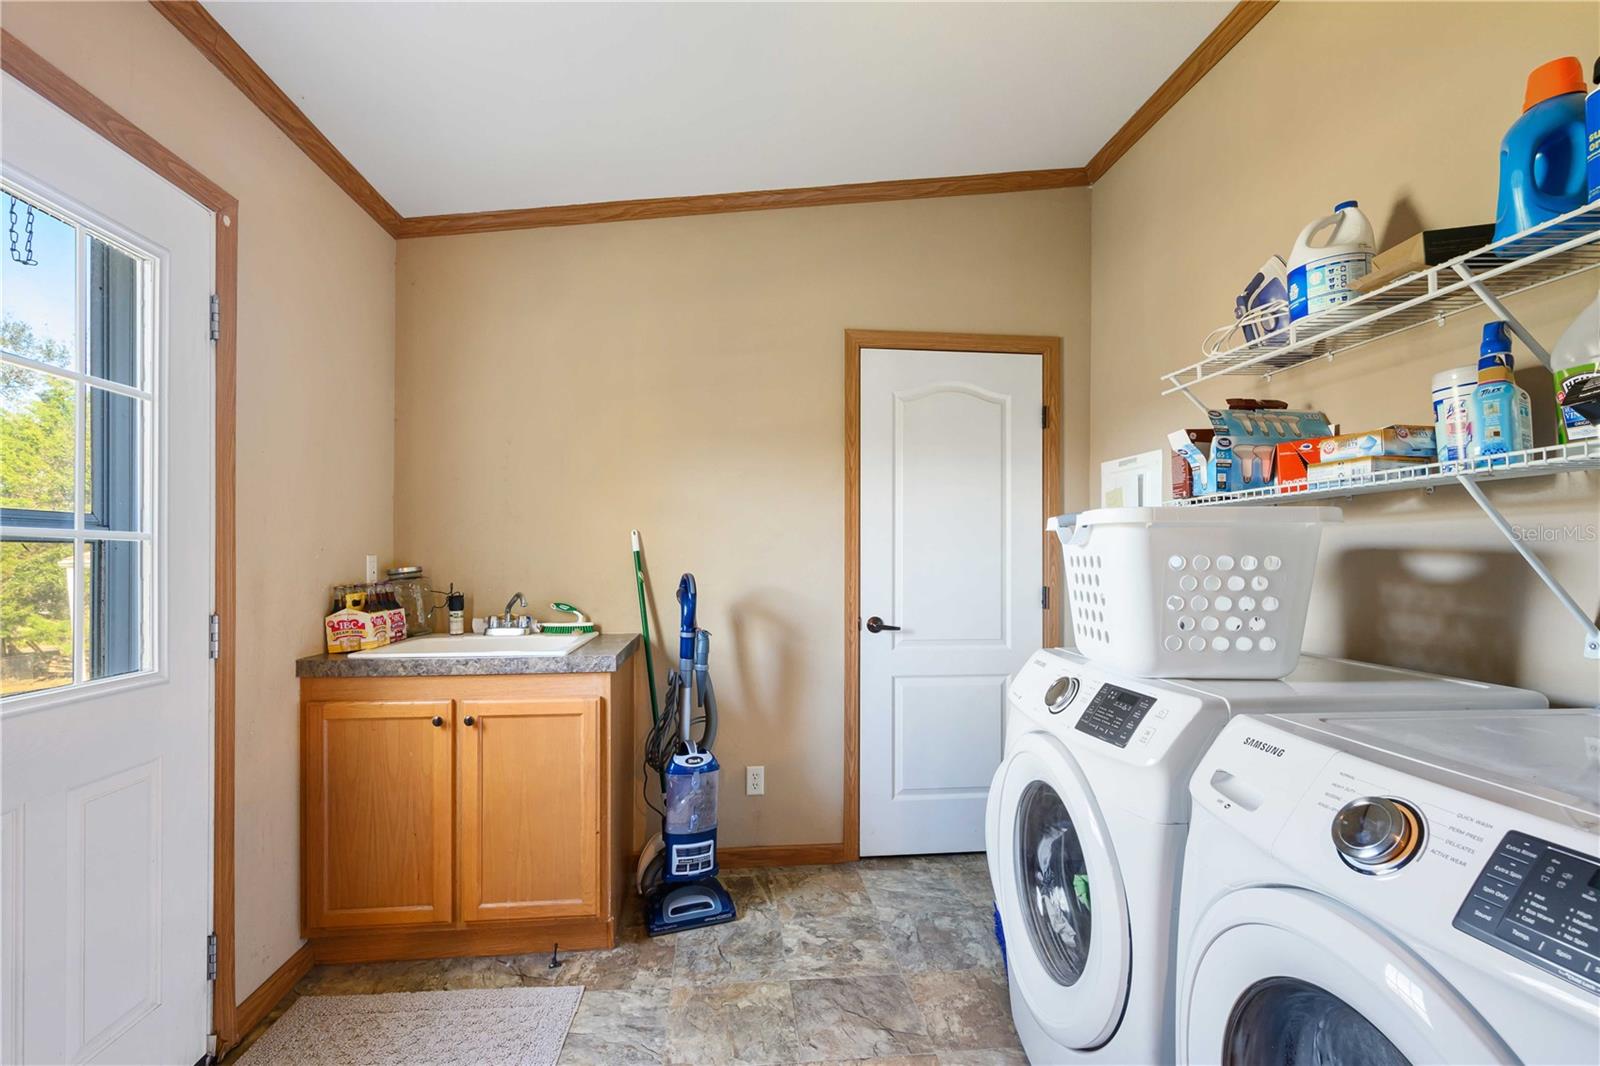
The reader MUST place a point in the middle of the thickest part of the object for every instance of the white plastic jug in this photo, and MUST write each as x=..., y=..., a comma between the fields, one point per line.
x=1330, y=255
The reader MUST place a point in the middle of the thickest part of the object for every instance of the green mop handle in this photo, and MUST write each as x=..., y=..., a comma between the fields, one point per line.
x=650, y=663
x=644, y=624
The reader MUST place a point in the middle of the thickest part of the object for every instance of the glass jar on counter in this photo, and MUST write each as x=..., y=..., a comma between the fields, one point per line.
x=411, y=588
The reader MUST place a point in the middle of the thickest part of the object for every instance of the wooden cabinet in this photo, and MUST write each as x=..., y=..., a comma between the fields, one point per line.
x=529, y=808
x=464, y=815
x=378, y=791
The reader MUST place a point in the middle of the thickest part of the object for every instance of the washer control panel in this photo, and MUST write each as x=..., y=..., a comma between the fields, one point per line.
x=1541, y=903
x=1114, y=714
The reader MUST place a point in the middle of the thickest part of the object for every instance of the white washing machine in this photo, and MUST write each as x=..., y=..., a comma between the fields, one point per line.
x=1086, y=823
x=1386, y=888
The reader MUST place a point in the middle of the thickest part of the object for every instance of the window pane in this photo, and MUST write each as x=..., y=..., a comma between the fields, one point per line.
x=36, y=453
x=113, y=453
x=35, y=615
x=38, y=285
x=113, y=607
x=114, y=331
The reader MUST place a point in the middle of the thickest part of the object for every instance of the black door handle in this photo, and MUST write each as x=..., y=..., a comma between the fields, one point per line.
x=875, y=625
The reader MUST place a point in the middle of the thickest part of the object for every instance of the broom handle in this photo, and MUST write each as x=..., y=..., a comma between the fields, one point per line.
x=644, y=624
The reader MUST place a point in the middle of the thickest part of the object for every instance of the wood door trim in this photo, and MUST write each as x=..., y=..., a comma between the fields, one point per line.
x=1218, y=43
x=226, y=54
x=50, y=82
x=1049, y=351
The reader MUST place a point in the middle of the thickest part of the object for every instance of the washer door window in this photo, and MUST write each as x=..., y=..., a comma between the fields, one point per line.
x=1054, y=880
x=1285, y=1019
x=1060, y=894
x=1284, y=975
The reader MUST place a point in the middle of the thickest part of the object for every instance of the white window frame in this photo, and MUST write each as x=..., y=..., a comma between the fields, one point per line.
x=86, y=224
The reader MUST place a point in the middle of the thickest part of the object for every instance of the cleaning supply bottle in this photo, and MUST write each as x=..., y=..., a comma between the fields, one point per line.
x=1591, y=112
x=1575, y=362
x=1329, y=256
x=1543, y=157
x=1452, y=412
x=1502, y=419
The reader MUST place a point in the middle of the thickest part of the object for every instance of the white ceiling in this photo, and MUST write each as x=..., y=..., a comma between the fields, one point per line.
x=449, y=107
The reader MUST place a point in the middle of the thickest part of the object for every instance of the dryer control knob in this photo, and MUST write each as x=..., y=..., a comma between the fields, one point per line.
x=1060, y=693
x=1375, y=835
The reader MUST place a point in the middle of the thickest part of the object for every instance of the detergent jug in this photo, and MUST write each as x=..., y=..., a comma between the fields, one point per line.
x=1330, y=255
x=1543, y=156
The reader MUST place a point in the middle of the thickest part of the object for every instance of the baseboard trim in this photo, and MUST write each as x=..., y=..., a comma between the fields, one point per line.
x=490, y=938
x=784, y=855
x=258, y=1004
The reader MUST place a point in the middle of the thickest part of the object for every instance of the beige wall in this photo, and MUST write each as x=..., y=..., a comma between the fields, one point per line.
x=1228, y=178
x=316, y=346
x=685, y=376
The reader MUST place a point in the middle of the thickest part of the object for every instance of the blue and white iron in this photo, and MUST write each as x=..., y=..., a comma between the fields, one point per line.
x=1262, y=309
x=685, y=893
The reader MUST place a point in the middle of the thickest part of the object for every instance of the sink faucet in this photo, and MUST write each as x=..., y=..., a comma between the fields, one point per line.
x=514, y=601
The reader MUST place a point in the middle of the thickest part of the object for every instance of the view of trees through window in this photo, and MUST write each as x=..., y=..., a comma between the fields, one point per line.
x=73, y=537
x=36, y=464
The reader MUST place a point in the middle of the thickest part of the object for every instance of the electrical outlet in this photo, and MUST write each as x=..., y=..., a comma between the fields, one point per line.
x=372, y=569
x=755, y=780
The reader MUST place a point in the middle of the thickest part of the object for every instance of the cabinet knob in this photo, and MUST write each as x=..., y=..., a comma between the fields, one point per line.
x=469, y=720
x=437, y=721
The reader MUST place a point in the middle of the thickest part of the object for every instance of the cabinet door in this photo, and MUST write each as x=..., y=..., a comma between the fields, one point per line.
x=378, y=813
x=529, y=803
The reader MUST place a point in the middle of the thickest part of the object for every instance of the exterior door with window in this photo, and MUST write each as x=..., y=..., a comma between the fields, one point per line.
x=106, y=519
x=952, y=516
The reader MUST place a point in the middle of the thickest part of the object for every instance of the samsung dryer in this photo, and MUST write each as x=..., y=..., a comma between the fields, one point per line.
x=1086, y=823
x=1371, y=890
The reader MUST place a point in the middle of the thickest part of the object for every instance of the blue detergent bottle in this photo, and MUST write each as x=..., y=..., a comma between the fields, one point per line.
x=1543, y=156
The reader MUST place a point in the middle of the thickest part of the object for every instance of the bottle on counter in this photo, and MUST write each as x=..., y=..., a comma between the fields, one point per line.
x=347, y=627
x=457, y=605
x=377, y=617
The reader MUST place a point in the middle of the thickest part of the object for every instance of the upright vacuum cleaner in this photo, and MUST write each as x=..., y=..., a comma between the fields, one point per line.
x=678, y=876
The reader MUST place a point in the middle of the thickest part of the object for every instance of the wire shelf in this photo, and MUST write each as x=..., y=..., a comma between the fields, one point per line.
x=1556, y=459
x=1548, y=252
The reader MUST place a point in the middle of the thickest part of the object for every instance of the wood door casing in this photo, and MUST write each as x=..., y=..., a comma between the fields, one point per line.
x=528, y=808
x=379, y=790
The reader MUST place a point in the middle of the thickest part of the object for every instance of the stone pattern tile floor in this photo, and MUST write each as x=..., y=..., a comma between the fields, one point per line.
x=889, y=961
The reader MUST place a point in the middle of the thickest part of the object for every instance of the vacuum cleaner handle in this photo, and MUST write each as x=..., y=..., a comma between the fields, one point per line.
x=686, y=625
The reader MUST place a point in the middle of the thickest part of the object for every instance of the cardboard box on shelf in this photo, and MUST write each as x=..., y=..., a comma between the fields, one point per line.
x=1330, y=472
x=1414, y=442
x=1256, y=428
x=1295, y=457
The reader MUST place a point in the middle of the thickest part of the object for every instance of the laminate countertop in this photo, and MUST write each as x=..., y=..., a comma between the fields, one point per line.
x=602, y=655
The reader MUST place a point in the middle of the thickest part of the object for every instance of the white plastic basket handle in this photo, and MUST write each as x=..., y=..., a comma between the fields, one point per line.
x=1065, y=527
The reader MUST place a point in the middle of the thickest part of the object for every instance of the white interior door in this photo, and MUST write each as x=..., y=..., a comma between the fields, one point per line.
x=951, y=513
x=106, y=589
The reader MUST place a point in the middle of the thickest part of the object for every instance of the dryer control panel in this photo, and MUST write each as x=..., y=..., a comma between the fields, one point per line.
x=1541, y=903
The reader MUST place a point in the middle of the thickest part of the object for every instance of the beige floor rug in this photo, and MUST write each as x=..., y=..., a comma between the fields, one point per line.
x=500, y=1026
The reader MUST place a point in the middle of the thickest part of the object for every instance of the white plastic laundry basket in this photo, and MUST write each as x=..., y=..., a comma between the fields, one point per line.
x=1192, y=591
